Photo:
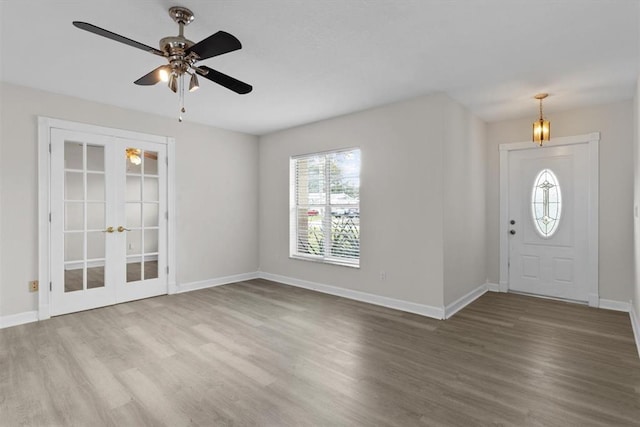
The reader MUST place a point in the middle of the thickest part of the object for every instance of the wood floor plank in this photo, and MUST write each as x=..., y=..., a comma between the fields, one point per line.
x=262, y=353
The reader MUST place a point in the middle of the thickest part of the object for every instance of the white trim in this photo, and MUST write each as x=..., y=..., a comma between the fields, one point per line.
x=45, y=124
x=410, y=307
x=18, y=319
x=44, y=177
x=592, y=140
x=172, y=260
x=493, y=287
x=504, y=220
x=565, y=140
x=465, y=300
x=218, y=281
x=635, y=325
x=609, y=304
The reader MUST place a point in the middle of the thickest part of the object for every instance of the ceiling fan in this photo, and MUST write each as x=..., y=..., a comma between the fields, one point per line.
x=182, y=56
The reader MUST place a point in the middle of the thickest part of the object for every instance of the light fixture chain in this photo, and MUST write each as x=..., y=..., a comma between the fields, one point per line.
x=541, y=109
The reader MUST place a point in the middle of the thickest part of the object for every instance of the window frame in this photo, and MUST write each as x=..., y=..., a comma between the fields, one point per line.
x=326, y=258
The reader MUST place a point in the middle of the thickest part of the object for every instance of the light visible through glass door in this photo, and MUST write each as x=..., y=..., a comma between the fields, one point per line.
x=142, y=213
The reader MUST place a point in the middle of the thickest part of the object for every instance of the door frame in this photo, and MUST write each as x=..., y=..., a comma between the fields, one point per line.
x=45, y=124
x=592, y=140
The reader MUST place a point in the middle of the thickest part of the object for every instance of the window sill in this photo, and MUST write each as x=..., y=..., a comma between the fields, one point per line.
x=325, y=261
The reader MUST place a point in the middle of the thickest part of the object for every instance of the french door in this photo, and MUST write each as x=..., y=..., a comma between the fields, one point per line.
x=108, y=220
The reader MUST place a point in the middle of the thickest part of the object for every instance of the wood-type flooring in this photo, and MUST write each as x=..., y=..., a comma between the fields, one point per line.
x=265, y=354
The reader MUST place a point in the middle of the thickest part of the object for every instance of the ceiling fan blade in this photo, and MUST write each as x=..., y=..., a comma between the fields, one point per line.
x=117, y=37
x=214, y=45
x=227, y=81
x=151, y=78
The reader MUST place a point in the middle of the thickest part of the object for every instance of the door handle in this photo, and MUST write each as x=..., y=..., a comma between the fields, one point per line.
x=121, y=229
x=512, y=232
x=108, y=230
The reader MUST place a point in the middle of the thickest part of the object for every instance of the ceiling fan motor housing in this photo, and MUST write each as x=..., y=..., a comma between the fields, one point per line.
x=174, y=48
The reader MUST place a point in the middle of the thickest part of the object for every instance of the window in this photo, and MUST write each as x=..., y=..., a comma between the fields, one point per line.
x=325, y=207
x=546, y=203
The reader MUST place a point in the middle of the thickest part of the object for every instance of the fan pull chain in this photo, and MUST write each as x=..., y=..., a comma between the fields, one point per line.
x=182, y=110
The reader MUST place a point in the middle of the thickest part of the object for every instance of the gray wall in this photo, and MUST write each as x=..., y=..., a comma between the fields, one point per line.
x=615, y=123
x=216, y=188
x=464, y=164
x=417, y=160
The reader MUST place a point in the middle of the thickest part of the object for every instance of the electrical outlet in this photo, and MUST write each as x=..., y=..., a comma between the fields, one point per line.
x=383, y=276
x=33, y=286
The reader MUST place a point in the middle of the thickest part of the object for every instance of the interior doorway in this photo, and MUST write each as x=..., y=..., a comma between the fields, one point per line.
x=108, y=237
x=549, y=218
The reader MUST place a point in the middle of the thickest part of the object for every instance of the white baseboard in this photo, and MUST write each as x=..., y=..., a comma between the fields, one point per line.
x=635, y=325
x=18, y=319
x=410, y=307
x=218, y=281
x=609, y=304
x=493, y=287
x=464, y=301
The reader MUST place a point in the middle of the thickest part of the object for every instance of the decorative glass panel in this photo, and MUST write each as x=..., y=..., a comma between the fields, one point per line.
x=134, y=242
x=134, y=271
x=151, y=240
x=74, y=216
x=150, y=163
x=134, y=188
x=95, y=277
x=134, y=215
x=150, y=270
x=133, y=159
x=546, y=203
x=95, y=158
x=95, y=186
x=73, y=155
x=151, y=189
x=95, y=216
x=73, y=279
x=150, y=214
x=74, y=186
x=73, y=246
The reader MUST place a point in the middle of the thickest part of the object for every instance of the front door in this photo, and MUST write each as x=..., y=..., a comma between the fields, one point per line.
x=108, y=220
x=549, y=209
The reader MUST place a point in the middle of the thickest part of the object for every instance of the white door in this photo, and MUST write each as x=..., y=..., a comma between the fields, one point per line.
x=548, y=205
x=108, y=220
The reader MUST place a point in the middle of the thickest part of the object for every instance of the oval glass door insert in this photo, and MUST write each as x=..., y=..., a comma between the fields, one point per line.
x=546, y=203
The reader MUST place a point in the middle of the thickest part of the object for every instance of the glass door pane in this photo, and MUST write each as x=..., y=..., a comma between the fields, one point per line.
x=84, y=207
x=142, y=199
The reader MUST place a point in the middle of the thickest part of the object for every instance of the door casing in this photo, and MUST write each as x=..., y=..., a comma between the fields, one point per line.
x=592, y=141
x=45, y=124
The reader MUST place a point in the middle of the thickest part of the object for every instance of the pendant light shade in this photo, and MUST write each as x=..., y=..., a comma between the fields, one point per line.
x=193, y=83
x=173, y=83
x=541, y=127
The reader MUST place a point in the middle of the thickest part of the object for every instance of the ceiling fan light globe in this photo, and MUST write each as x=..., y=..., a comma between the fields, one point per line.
x=164, y=75
x=173, y=83
x=193, y=83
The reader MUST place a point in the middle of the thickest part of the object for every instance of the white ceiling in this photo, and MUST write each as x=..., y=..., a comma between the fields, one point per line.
x=310, y=60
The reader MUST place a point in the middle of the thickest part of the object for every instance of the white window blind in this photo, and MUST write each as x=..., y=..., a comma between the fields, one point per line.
x=325, y=207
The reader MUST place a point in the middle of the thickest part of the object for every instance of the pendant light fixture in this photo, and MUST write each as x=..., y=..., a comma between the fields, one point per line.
x=541, y=127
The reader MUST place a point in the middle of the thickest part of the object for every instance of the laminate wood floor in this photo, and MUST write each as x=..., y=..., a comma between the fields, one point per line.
x=261, y=353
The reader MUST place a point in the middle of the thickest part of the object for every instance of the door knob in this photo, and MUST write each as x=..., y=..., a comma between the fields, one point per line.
x=512, y=231
x=108, y=230
x=121, y=229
